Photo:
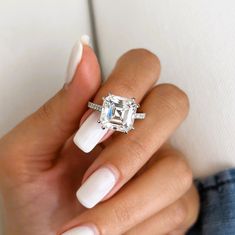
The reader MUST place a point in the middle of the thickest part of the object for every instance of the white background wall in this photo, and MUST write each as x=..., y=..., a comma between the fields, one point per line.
x=195, y=41
x=35, y=42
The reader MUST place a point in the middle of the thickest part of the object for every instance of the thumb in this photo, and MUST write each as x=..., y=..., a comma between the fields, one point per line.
x=46, y=130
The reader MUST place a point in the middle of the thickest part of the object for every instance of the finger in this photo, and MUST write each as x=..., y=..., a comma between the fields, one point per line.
x=157, y=188
x=134, y=74
x=166, y=107
x=179, y=216
x=46, y=130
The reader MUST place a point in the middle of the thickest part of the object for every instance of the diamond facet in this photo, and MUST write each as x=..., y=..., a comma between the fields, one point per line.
x=118, y=113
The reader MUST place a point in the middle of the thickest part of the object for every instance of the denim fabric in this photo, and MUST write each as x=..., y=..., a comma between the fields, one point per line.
x=217, y=196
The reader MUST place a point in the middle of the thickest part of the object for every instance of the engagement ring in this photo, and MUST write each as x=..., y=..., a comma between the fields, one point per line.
x=117, y=113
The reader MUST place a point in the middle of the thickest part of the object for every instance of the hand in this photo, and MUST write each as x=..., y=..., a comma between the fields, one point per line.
x=41, y=168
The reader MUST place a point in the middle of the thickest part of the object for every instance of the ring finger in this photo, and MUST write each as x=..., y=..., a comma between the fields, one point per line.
x=134, y=74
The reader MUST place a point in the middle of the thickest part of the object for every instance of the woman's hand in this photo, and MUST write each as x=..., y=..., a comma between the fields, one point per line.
x=41, y=168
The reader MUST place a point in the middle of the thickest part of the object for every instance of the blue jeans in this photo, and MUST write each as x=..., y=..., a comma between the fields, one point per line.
x=217, y=213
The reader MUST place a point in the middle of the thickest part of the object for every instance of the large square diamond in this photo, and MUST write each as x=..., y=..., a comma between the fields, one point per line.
x=118, y=113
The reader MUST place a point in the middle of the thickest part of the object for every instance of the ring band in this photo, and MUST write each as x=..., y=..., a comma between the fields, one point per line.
x=117, y=113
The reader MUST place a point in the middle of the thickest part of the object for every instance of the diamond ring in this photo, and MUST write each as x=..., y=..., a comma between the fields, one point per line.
x=117, y=113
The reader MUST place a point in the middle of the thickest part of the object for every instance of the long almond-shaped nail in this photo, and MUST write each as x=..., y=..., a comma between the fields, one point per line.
x=96, y=187
x=90, y=133
x=81, y=230
x=76, y=57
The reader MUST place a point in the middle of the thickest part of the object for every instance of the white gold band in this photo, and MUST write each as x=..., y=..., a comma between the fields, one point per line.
x=93, y=106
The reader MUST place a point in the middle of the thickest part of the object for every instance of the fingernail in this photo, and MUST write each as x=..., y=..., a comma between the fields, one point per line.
x=82, y=230
x=76, y=57
x=86, y=40
x=90, y=133
x=96, y=187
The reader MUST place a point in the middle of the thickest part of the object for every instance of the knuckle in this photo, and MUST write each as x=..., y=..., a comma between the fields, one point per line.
x=179, y=213
x=45, y=112
x=181, y=170
x=48, y=113
x=49, y=109
x=127, y=87
x=122, y=213
x=138, y=150
x=144, y=61
x=184, y=172
x=174, y=98
x=192, y=201
x=143, y=53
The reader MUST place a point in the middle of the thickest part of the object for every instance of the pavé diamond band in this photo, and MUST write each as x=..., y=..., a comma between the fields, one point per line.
x=117, y=113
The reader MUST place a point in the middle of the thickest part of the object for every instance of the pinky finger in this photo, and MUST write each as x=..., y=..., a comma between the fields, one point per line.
x=176, y=219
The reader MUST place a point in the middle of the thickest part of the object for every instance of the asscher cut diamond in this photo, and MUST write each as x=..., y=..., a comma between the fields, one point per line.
x=118, y=113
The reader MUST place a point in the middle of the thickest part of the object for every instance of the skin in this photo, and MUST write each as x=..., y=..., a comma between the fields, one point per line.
x=41, y=168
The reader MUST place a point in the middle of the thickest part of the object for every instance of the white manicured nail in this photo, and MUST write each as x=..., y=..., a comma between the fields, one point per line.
x=82, y=230
x=76, y=57
x=90, y=133
x=86, y=40
x=96, y=187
